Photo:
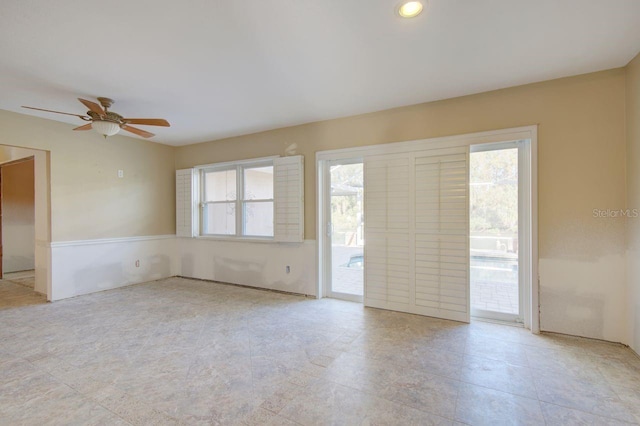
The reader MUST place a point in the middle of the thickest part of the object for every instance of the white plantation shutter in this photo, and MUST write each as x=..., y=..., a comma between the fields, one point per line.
x=416, y=232
x=442, y=234
x=185, y=184
x=288, y=189
x=386, y=213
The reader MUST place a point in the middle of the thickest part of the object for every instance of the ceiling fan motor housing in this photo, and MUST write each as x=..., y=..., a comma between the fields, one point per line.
x=109, y=116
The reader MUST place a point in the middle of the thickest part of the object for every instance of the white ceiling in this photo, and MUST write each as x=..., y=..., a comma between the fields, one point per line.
x=218, y=68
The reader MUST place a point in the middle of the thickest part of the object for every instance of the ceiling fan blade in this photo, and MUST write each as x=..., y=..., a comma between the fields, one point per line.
x=84, y=117
x=93, y=107
x=137, y=131
x=85, y=127
x=148, y=121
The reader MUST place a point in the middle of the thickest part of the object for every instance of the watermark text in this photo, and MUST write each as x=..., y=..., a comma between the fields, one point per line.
x=616, y=213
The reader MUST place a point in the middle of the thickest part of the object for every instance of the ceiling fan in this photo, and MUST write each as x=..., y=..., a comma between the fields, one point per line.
x=109, y=123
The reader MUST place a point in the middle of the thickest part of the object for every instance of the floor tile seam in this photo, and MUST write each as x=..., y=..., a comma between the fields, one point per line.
x=61, y=383
x=289, y=419
x=403, y=367
x=87, y=395
x=40, y=371
x=184, y=380
x=146, y=341
x=132, y=397
x=583, y=411
x=284, y=417
x=617, y=393
x=277, y=413
x=422, y=410
x=118, y=415
x=375, y=395
x=536, y=400
x=438, y=375
x=507, y=362
x=98, y=403
x=465, y=382
x=47, y=372
x=612, y=386
x=251, y=355
x=565, y=356
x=200, y=334
x=570, y=376
x=544, y=418
x=631, y=360
x=507, y=340
x=60, y=362
x=634, y=365
x=455, y=406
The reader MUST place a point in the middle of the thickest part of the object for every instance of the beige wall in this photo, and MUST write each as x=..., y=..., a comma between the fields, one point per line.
x=633, y=200
x=18, y=217
x=581, y=168
x=88, y=200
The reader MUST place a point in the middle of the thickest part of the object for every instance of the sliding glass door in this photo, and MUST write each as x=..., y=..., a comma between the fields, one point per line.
x=345, y=229
x=494, y=238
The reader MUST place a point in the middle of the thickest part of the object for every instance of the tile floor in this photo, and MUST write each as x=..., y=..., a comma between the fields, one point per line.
x=25, y=278
x=16, y=293
x=180, y=351
x=30, y=273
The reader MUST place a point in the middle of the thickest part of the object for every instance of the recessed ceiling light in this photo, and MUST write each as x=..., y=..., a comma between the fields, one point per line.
x=410, y=9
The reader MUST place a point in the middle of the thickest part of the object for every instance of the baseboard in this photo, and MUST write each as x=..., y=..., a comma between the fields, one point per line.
x=249, y=287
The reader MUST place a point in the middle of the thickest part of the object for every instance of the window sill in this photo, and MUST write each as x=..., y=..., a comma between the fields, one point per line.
x=236, y=239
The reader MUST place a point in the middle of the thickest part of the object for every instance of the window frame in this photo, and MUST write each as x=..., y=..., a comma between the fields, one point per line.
x=240, y=202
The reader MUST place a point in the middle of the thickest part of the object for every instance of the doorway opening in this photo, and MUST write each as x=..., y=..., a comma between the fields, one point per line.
x=344, y=204
x=497, y=204
x=17, y=221
x=25, y=222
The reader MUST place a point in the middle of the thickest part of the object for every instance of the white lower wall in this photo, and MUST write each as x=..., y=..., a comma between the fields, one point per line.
x=254, y=264
x=81, y=267
x=633, y=299
x=88, y=266
x=584, y=298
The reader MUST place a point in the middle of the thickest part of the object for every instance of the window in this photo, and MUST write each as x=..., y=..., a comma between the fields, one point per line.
x=237, y=200
x=257, y=203
x=253, y=199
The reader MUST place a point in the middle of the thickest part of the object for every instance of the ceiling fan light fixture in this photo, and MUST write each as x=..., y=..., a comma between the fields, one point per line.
x=410, y=9
x=108, y=123
x=105, y=128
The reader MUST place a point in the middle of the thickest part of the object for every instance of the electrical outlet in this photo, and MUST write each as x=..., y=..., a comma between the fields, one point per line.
x=288, y=269
x=137, y=263
x=120, y=173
